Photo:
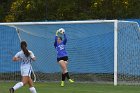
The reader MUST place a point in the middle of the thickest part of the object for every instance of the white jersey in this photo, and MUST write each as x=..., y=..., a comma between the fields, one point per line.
x=25, y=62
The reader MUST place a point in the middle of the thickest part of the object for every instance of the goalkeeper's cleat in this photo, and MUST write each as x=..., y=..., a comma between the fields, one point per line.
x=62, y=84
x=71, y=81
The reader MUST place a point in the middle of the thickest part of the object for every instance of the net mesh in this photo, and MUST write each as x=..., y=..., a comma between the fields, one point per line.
x=90, y=49
x=9, y=44
x=128, y=53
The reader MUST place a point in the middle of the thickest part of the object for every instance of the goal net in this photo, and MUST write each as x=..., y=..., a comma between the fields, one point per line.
x=96, y=50
x=128, y=53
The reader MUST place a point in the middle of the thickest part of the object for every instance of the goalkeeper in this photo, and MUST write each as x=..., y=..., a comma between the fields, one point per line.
x=62, y=57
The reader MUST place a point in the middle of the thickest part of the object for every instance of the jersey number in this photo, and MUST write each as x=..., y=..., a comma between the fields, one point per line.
x=61, y=47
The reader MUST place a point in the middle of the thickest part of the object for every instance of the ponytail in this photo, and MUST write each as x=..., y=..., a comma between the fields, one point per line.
x=24, y=48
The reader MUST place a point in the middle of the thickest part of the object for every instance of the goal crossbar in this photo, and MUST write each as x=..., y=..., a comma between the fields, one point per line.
x=62, y=22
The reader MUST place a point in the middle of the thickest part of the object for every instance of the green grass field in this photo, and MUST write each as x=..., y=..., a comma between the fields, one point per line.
x=73, y=88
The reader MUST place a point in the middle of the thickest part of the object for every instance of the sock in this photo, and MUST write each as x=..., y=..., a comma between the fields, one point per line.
x=18, y=85
x=67, y=75
x=63, y=77
x=32, y=90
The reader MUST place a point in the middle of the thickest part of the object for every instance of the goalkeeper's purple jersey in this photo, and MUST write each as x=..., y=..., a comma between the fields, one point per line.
x=61, y=51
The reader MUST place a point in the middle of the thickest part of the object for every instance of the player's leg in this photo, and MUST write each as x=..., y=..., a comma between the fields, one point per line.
x=64, y=70
x=31, y=87
x=63, y=66
x=67, y=74
x=19, y=84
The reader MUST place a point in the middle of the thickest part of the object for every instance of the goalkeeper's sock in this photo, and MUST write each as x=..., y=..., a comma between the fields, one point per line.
x=67, y=75
x=62, y=83
x=18, y=85
x=32, y=90
x=63, y=77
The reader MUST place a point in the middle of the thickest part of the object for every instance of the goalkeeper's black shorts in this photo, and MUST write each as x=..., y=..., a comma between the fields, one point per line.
x=65, y=58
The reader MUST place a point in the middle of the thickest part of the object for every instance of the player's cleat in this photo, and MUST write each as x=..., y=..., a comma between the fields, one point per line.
x=71, y=81
x=62, y=83
x=11, y=90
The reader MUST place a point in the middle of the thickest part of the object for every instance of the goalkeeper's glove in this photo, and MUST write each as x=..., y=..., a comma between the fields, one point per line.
x=57, y=33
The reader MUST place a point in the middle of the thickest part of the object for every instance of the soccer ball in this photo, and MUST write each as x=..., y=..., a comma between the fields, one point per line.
x=61, y=30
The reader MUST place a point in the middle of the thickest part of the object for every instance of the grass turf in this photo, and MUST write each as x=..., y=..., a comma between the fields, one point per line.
x=72, y=88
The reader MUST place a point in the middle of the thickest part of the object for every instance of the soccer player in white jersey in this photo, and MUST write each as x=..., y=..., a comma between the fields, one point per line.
x=25, y=57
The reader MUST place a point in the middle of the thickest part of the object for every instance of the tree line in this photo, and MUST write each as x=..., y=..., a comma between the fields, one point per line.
x=40, y=10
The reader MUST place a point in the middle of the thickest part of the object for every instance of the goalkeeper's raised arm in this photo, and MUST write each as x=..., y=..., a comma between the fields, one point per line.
x=65, y=39
x=56, y=37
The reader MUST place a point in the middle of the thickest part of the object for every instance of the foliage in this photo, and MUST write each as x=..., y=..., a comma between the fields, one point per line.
x=40, y=10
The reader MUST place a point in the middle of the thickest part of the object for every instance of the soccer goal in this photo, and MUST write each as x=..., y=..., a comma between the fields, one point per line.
x=102, y=51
